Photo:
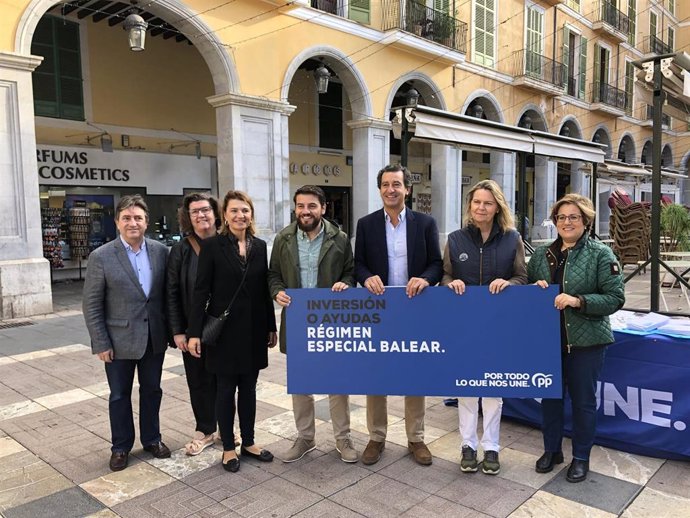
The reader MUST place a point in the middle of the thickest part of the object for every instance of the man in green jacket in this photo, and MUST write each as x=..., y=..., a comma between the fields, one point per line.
x=312, y=253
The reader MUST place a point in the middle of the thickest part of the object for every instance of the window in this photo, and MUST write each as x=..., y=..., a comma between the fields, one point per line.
x=485, y=32
x=573, y=4
x=671, y=39
x=653, y=18
x=672, y=7
x=575, y=62
x=535, y=41
x=359, y=10
x=331, y=117
x=632, y=13
x=57, y=81
x=602, y=59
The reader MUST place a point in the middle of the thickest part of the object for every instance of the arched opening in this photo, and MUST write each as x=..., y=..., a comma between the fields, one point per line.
x=626, y=150
x=646, y=156
x=667, y=156
x=110, y=122
x=601, y=136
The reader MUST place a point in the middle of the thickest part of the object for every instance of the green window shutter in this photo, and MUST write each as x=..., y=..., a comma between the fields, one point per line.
x=442, y=5
x=671, y=38
x=57, y=82
x=672, y=7
x=629, y=86
x=566, y=53
x=534, y=48
x=484, y=32
x=632, y=14
x=652, y=23
x=597, y=73
x=583, y=67
x=359, y=11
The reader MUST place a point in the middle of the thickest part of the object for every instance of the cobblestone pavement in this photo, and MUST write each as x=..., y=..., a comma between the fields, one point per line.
x=54, y=451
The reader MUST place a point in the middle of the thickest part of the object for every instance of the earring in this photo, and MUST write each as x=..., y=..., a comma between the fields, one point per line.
x=226, y=223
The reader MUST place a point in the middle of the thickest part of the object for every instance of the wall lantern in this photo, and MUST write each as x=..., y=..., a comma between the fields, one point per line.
x=321, y=76
x=136, y=27
x=412, y=98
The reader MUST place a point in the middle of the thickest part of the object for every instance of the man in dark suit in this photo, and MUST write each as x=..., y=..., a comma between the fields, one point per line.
x=396, y=246
x=124, y=310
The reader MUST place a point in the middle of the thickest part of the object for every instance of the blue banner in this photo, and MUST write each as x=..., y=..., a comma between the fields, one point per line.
x=435, y=344
x=643, y=399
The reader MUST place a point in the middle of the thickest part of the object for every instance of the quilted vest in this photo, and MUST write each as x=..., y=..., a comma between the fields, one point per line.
x=477, y=263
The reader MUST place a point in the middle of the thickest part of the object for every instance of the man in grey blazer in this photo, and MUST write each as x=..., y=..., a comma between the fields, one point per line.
x=124, y=310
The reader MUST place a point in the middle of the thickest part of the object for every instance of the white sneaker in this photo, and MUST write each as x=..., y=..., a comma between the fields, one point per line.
x=347, y=450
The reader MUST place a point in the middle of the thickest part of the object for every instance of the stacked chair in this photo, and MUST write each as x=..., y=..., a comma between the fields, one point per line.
x=630, y=228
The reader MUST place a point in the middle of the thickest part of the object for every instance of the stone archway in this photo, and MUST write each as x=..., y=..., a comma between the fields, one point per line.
x=484, y=105
x=667, y=156
x=626, y=149
x=532, y=118
x=602, y=136
x=570, y=127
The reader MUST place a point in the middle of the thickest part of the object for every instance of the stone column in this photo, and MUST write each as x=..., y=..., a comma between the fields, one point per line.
x=24, y=273
x=446, y=189
x=253, y=155
x=545, y=173
x=503, y=171
x=579, y=182
x=371, y=152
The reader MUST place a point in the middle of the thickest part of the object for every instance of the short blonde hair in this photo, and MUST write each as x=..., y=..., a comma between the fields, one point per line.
x=241, y=196
x=503, y=216
x=584, y=205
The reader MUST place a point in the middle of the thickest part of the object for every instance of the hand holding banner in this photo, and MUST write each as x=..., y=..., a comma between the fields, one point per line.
x=435, y=344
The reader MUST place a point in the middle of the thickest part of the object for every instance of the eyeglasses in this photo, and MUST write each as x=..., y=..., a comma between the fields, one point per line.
x=202, y=210
x=571, y=217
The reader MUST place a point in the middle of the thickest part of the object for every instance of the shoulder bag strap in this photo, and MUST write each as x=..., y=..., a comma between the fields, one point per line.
x=195, y=244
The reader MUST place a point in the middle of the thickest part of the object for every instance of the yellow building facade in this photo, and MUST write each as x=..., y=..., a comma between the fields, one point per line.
x=225, y=96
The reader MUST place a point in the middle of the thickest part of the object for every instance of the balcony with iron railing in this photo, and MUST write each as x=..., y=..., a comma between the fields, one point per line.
x=425, y=22
x=611, y=21
x=609, y=99
x=537, y=72
x=654, y=45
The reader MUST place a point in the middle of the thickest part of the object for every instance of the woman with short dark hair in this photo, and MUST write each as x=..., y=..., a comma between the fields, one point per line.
x=591, y=283
x=199, y=219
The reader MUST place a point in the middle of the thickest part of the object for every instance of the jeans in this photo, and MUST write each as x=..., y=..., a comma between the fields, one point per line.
x=245, y=386
x=120, y=374
x=581, y=369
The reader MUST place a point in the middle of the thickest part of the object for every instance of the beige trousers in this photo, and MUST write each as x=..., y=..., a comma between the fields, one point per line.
x=303, y=408
x=377, y=417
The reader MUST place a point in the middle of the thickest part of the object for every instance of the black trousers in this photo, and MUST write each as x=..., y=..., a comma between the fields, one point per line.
x=202, y=393
x=245, y=386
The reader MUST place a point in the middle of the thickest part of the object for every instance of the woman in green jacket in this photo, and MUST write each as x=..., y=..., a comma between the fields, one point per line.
x=591, y=283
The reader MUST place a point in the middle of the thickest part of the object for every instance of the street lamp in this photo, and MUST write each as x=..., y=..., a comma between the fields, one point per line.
x=136, y=27
x=321, y=76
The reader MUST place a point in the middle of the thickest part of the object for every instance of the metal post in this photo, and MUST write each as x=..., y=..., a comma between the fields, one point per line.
x=523, y=198
x=404, y=138
x=656, y=185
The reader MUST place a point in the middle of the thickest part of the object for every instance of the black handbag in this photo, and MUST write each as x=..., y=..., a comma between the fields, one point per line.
x=213, y=326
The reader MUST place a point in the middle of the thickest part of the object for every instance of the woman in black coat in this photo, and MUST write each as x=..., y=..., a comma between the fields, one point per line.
x=242, y=348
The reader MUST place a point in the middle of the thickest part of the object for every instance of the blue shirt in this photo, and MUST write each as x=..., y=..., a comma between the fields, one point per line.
x=309, y=257
x=141, y=264
x=396, y=242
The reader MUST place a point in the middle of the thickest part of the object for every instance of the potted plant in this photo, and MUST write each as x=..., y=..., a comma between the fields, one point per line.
x=675, y=225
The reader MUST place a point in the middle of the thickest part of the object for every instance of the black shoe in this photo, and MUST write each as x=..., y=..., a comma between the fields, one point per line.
x=158, y=450
x=118, y=460
x=233, y=465
x=577, y=471
x=546, y=461
x=263, y=455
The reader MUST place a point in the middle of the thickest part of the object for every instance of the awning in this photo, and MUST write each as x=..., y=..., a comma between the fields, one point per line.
x=434, y=125
x=641, y=170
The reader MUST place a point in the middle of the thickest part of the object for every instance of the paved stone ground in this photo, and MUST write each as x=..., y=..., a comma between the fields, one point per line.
x=54, y=450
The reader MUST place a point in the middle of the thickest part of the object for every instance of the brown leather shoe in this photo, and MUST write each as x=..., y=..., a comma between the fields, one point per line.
x=372, y=453
x=118, y=460
x=420, y=453
x=158, y=450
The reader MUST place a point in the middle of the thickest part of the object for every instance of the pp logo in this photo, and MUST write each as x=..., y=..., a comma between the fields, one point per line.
x=463, y=257
x=542, y=380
